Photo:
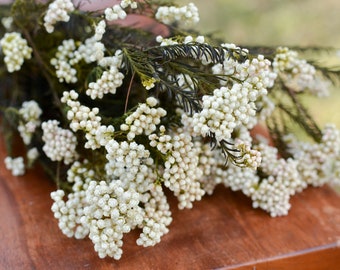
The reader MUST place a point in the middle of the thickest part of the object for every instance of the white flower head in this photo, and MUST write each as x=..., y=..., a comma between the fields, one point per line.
x=15, y=165
x=58, y=11
x=60, y=144
x=16, y=50
x=30, y=113
x=187, y=15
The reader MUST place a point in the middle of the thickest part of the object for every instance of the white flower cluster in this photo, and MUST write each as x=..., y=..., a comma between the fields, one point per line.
x=181, y=174
x=15, y=165
x=157, y=217
x=316, y=161
x=91, y=50
x=207, y=164
x=32, y=154
x=283, y=180
x=129, y=162
x=63, y=61
x=70, y=52
x=16, y=50
x=144, y=119
x=256, y=72
x=249, y=157
x=99, y=30
x=111, y=212
x=108, y=83
x=299, y=73
x=102, y=136
x=115, y=60
x=69, y=212
x=117, y=11
x=127, y=3
x=272, y=194
x=60, y=144
x=140, y=154
x=237, y=178
x=29, y=113
x=82, y=118
x=187, y=15
x=105, y=210
x=225, y=110
x=7, y=22
x=57, y=12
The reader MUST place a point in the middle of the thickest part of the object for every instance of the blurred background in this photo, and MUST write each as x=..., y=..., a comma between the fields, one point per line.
x=274, y=23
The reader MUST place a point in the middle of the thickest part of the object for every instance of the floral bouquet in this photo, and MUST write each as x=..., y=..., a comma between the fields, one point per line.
x=119, y=114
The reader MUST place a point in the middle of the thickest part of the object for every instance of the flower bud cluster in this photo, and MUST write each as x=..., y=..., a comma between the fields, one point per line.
x=144, y=119
x=29, y=113
x=99, y=30
x=103, y=134
x=157, y=217
x=181, y=174
x=115, y=60
x=64, y=60
x=237, y=178
x=283, y=180
x=82, y=118
x=249, y=157
x=127, y=3
x=225, y=110
x=60, y=144
x=69, y=212
x=207, y=163
x=15, y=165
x=257, y=72
x=132, y=165
x=69, y=53
x=117, y=11
x=187, y=15
x=57, y=12
x=16, y=50
x=298, y=73
x=111, y=212
x=107, y=83
x=316, y=161
x=91, y=50
x=129, y=162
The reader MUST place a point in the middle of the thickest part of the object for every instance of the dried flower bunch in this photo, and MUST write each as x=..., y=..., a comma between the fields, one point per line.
x=118, y=114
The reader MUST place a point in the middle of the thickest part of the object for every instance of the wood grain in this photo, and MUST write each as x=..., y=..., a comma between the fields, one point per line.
x=221, y=232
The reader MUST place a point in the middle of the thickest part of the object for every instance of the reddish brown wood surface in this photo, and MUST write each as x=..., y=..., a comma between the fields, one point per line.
x=220, y=232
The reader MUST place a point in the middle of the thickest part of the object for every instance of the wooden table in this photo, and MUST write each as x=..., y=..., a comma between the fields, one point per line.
x=221, y=232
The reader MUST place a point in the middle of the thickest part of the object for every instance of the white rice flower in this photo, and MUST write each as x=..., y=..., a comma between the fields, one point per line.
x=57, y=12
x=15, y=165
x=60, y=144
x=16, y=50
x=187, y=15
x=30, y=113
